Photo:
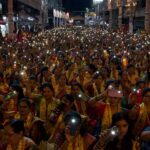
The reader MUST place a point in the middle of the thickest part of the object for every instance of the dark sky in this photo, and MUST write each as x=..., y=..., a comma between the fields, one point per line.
x=76, y=5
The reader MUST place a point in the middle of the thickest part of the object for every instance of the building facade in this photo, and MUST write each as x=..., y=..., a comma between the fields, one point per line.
x=53, y=4
x=17, y=13
x=131, y=13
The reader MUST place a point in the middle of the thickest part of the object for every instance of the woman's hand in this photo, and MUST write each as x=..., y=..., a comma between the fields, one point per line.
x=69, y=137
x=103, y=137
x=102, y=140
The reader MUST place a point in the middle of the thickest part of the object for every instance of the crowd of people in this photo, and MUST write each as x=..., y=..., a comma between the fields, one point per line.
x=75, y=88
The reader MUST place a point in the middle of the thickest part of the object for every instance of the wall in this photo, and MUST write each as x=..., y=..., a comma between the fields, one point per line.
x=33, y=3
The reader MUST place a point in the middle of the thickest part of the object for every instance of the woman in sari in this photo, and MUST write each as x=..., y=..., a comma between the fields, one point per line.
x=119, y=137
x=71, y=138
x=16, y=140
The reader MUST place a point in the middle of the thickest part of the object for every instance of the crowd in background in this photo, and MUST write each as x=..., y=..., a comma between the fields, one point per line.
x=75, y=88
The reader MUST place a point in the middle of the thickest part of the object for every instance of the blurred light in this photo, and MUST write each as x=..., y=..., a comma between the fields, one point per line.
x=113, y=132
x=73, y=120
x=30, y=18
x=4, y=18
x=80, y=95
x=97, y=1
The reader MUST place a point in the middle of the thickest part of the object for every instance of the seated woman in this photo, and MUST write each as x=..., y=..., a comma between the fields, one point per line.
x=140, y=114
x=57, y=115
x=145, y=138
x=103, y=106
x=24, y=113
x=122, y=139
x=16, y=140
x=72, y=137
x=39, y=136
x=80, y=98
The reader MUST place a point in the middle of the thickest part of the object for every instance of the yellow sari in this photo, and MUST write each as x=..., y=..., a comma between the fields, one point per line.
x=107, y=116
x=28, y=121
x=141, y=120
x=78, y=145
x=45, y=109
x=21, y=145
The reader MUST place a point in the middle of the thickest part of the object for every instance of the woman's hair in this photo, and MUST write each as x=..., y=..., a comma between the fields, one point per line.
x=19, y=90
x=44, y=85
x=43, y=69
x=27, y=101
x=78, y=85
x=118, y=117
x=145, y=91
x=69, y=97
x=1, y=75
x=80, y=121
x=126, y=143
x=17, y=125
x=41, y=132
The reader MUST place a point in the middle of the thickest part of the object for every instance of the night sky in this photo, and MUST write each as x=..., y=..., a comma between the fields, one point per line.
x=76, y=5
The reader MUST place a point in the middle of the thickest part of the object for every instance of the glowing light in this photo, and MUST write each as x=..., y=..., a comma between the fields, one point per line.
x=73, y=120
x=80, y=95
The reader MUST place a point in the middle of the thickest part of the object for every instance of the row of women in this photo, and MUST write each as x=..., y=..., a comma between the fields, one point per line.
x=75, y=89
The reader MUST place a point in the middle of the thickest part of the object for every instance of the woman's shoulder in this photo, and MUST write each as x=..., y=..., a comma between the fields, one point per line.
x=29, y=143
x=89, y=139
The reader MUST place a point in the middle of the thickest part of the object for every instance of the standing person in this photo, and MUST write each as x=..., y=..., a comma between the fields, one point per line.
x=122, y=140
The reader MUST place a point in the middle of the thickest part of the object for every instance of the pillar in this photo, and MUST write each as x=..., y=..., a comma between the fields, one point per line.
x=120, y=16
x=10, y=18
x=147, y=16
x=110, y=14
x=130, y=23
x=110, y=18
